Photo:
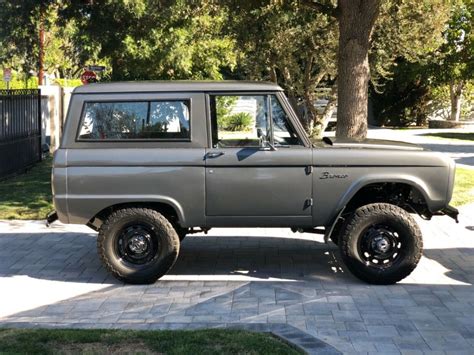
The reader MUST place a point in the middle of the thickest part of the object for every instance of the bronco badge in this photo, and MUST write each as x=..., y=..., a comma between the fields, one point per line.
x=328, y=175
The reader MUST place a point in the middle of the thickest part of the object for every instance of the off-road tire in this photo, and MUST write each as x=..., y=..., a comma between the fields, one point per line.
x=381, y=214
x=166, y=255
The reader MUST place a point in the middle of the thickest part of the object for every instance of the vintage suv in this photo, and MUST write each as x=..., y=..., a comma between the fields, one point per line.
x=145, y=163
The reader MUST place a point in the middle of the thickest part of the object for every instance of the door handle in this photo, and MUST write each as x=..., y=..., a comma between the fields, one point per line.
x=212, y=155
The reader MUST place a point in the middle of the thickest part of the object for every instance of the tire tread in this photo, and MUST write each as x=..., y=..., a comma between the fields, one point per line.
x=369, y=211
x=159, y=220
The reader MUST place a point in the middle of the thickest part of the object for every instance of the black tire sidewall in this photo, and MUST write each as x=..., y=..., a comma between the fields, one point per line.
x=168, y=246
x=394, y=218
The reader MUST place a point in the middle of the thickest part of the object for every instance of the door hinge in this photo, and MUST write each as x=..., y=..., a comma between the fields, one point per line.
x=309, y=169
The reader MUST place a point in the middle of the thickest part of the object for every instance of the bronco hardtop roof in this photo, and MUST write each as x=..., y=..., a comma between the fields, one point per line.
x=177, y=85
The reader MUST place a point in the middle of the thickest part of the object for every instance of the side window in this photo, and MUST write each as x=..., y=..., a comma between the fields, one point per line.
x=238, y=121
x=283, y=131
x=135, y=120
x=169, y=119
x=112, y=120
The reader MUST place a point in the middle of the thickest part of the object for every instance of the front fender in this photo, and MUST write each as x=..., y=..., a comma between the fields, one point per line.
x=357, y=185
x=332, y=194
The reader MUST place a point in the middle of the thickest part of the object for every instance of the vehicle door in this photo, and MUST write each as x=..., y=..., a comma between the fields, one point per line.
x=258, y=168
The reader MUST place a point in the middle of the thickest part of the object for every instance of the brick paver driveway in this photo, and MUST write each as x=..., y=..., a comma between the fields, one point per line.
x=53, y=277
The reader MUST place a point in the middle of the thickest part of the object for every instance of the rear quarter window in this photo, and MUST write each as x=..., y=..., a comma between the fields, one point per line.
x=135, y=120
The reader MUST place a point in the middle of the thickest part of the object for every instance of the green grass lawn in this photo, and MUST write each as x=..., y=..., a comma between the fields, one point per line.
x=463, y=187
x=458, y=136
x=409, y=128
x=27, y=196
x=209, y=341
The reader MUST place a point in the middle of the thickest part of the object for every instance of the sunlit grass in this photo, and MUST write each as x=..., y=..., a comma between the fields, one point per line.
x=207, y=341
x=457, y=136
x=463, y=187
x=27, y=196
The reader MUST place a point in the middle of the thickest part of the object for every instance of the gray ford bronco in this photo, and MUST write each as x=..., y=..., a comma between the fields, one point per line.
x=145, y=164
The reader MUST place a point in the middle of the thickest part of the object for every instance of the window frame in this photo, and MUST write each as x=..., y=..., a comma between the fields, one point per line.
x=290, y=115
x=290, y=121
x=187, y=101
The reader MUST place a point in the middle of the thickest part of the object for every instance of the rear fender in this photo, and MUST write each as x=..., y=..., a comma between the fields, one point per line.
x=82, y=203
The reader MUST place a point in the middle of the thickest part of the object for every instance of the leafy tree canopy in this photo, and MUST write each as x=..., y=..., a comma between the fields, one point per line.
x=149, y=39
x=438, y=83
x=293, y=43
x=454, y=59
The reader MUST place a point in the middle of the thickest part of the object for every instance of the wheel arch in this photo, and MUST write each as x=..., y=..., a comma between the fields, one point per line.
x=362, y=185
x=414, y=198
x=168, y=207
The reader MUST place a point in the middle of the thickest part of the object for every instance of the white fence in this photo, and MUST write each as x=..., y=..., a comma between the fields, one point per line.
x=54, y=105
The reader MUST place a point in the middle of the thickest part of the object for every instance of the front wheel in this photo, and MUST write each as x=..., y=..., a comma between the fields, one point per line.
x=381, y=243
x=138, y=245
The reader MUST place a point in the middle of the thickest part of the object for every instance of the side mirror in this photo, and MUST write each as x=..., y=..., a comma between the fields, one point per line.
x=264, y=143
x=262, y=137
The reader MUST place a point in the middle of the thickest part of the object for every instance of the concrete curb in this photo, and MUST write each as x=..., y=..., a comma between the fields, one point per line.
x=287, y=333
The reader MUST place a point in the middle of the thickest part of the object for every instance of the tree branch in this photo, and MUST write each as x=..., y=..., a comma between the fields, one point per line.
x=326, y=9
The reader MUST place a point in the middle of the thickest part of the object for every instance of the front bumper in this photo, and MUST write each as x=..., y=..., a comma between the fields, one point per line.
x=51, y=218
x=451, y=212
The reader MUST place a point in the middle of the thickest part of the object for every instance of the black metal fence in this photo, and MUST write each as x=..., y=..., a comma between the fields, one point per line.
x=20, y=130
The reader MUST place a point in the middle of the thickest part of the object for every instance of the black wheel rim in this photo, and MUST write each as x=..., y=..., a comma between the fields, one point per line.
x=137, y=244
x=380, y=246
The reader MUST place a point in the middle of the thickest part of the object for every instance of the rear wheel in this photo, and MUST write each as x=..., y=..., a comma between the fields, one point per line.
x=137, y=245
x=381, y=243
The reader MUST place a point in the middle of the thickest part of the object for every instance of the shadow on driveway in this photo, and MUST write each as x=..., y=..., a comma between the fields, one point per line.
x=73, y=257
x=235, y=279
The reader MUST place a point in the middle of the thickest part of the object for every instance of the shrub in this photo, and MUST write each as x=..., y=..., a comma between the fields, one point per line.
x=241, y=121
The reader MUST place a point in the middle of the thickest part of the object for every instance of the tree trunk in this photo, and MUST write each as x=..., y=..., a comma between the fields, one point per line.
x=356, y=21
x=420, y=119
x=309, y=98
x=328, y=111
x=293, y=100
x=41, y=46
x=308, y=89
x=290, y=92
x=273, y=74
x=455, y=93
x=421, y=109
